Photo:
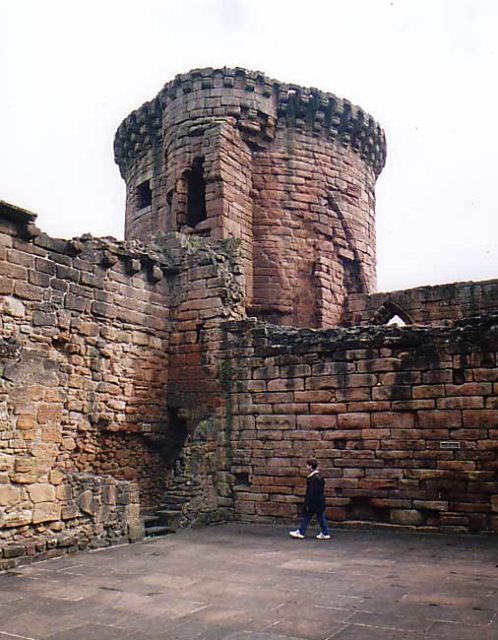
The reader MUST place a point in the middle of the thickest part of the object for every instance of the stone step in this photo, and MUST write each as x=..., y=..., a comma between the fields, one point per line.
x=168, y=513
x=173, y=499
x=159, y=530
x=149, y=519
x=169, y=517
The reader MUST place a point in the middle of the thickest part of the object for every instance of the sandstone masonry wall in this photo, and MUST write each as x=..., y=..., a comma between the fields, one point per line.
x=314, y=229
x=107, y=369
x=423, y=305
x=84, y=337
x=403, y=422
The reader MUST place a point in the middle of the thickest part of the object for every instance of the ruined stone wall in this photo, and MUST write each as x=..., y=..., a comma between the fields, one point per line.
x=423, y=305
x=289, y=171
x=403, y=422
x=109, y=355
x=103, y=511
x=84, y=354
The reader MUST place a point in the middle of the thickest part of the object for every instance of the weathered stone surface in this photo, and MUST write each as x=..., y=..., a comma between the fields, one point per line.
x=46, y=512
x=13, y=551
x=18, y=518
x=406, y=517
x=9, y=495
x=135, y=532
x=41, y=492
x=87, y=502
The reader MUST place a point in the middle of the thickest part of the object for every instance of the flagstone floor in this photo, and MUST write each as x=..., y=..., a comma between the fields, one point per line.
x=253, y=582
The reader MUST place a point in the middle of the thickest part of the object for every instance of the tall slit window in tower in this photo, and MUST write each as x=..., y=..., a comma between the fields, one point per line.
x=144, y=195
x=196, y=193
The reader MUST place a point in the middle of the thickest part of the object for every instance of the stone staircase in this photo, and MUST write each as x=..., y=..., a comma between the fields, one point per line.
x=170, y=515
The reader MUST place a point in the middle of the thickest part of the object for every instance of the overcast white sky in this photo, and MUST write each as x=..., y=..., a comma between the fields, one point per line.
x=427, y=70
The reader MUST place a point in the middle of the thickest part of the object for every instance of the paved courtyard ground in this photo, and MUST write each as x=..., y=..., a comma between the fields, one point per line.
x=245, y=582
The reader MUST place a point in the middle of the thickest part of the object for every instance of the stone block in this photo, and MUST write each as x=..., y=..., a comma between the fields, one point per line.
x=13, y=307
x=109, y=494
x=49, y=412
x=25, y=470
x=64, y=492
x=379, y=365
x=9, y=495
x=26, y=291
x=286, y=384
x=132, y=512
x=428, y=391
x=57, y=476
x=46, y=512
x=433, y=505
x=14, y=551
x=316, y=422
x=355, y=394
x=6, y=462
x=67, y=540
x=353, y=420
x=469, y=389
x=51, y=433
x=135, y=532
x=6, y=286
x=392, y=392
x=70, y=511
x=19, y=518
x=26, y=422
x=407, y=517
x=480, y=418
x=439, y=418
x=275, y=422
x=87, y=502
x=330, y=407
x=102, y=309
x=310, y=396
x=42, y=492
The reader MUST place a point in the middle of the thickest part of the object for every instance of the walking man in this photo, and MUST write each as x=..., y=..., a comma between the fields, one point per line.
x=314, y=503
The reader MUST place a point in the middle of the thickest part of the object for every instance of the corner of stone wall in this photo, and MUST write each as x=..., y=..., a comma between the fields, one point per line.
x=209, y=290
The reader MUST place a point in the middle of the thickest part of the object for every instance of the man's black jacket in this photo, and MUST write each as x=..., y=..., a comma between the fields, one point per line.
x=314, y=500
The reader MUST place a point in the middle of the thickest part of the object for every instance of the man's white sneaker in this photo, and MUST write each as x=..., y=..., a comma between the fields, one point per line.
x=323, y=536
x=296, y=534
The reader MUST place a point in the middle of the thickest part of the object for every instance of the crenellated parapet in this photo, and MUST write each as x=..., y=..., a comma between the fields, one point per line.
x=138, y=133
x=259, y=103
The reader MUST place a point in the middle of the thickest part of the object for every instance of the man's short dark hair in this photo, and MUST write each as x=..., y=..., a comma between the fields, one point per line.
x=312, y=463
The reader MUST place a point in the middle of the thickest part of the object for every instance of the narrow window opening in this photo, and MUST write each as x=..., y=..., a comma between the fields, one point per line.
x=397, y=320
x=242, y=479
x=144, y=195
x=390, y=313
x=196, y=194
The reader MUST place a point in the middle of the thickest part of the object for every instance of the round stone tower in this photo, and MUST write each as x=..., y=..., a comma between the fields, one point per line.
x=289, y=171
